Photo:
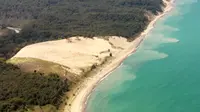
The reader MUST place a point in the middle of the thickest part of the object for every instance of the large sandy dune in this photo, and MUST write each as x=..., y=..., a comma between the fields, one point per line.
x=77, y=53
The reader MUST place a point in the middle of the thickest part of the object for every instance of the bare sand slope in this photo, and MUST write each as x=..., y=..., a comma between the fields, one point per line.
x=77, y=53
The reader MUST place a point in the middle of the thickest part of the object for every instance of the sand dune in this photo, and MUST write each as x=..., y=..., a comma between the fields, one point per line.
x=77, y=53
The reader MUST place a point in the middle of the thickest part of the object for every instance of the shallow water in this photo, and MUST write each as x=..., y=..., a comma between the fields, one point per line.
x=163, y=75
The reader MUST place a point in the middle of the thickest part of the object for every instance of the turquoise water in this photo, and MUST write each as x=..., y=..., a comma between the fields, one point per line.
x=163, y=75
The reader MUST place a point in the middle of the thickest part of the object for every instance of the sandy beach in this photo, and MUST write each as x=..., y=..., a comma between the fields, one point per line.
x=79, y=100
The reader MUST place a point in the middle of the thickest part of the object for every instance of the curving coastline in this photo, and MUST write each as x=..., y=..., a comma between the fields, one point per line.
x=79, y=103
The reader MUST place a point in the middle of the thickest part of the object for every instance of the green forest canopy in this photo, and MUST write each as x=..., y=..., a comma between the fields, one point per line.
x=80, y=17
x=19, y=90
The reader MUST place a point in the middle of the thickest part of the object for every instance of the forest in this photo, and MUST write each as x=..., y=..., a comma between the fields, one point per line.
x=42, y=20
x=19, y=91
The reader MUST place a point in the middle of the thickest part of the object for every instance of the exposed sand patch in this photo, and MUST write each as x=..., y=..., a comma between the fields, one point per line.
x=118, y=42
x=77, y=53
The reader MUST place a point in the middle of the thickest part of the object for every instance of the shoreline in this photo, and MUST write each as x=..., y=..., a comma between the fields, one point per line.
x=79, y=103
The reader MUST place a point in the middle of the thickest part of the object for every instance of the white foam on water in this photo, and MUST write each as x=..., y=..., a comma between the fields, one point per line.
x=158, y=39
x=175, y=12
x=125, y=73
x=172, y=40
x=166, y=28
x=116, y=82
x=183, y=2
x=178, y=9
x=183, y=5
x=120, y=76
x=147, y=50
x=154, y=40
x=148, y=55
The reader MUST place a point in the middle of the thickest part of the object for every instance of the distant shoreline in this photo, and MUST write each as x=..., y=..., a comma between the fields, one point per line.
x=80, y=101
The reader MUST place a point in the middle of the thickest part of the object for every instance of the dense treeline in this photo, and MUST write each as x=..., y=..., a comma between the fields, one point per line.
x=81, y=17
x=49, y=19
x=19, y=90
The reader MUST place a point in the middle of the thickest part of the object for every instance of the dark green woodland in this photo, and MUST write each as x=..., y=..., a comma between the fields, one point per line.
x=20, y=90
